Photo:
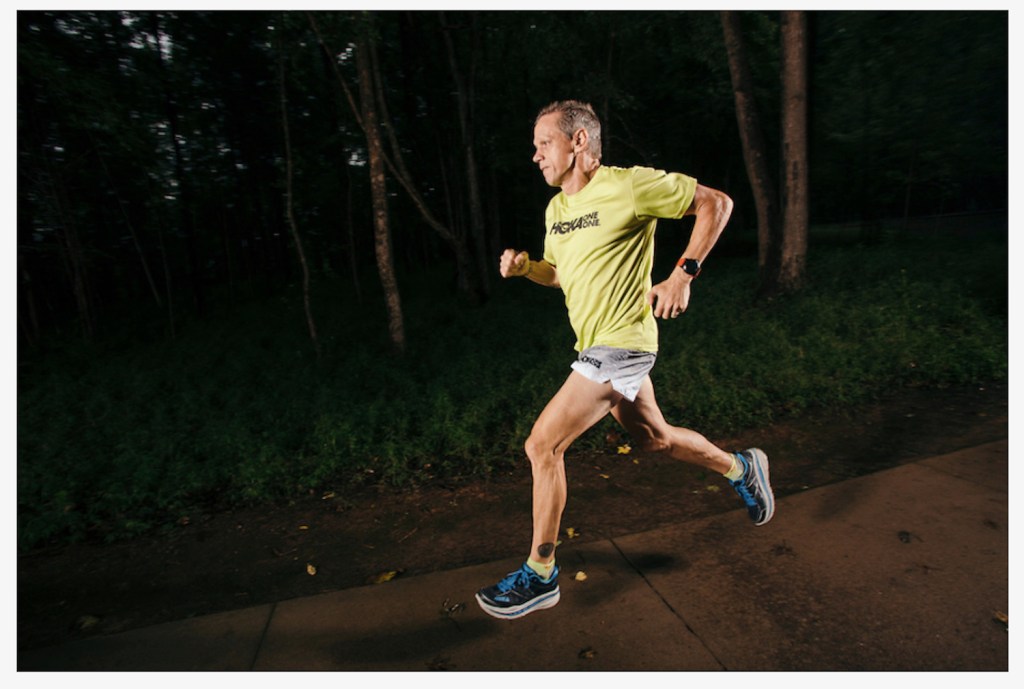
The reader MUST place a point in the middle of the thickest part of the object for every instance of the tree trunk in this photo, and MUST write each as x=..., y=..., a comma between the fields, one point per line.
x=351, y=235
x=464, y=104
x=77, y=274
x=378, y=188
x=194, y=269
x=396, y=165
x=128, y=223
x=289, y=209
x=752, y=138
x=168, y=284
x=74, y=256
x=31, y=328
x=795, y=215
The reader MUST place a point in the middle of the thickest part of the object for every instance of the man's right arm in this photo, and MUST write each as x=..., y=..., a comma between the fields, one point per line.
x=518, y=264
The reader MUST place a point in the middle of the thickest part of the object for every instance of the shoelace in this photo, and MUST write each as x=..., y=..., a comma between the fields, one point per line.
x=741, y=487
x=518, y=578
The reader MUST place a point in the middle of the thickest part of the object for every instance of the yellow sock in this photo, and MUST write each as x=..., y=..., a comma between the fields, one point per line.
x=544, y=570
x=735, y=471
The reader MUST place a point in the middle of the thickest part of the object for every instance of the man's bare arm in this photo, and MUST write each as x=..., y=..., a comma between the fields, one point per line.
x=712, y=208
x=518, y=264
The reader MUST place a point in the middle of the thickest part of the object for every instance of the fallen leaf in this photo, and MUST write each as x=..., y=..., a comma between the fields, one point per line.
x=448, y=608
x=439, y=664
x=714, y=489
x=86, y=622
x=328, y=495
x=580, y=576
x=303, y=527
x=604, y=475
x=587, y=653
x=572, y=533
x=310, y=569
x=636, y=461
x=1002, y=617
x=624, y=449
x=384, y=577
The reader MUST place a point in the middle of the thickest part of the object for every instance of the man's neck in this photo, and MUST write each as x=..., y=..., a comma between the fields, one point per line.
x=581, y=176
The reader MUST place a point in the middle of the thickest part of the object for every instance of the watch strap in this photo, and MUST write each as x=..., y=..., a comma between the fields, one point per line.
x=690, y=266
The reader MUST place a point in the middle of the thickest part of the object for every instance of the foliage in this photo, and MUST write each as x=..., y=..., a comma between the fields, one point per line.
x=161, y=223
x=896, y=129
x=176, y=194
x=128, y=436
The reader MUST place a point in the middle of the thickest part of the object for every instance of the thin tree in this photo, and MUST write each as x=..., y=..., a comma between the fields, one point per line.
x=379, y=193
x=464, y=99
x=781, y=222
x=366, y=116
x=793, y=246
x=128, y=222
x=290, y=205
x=752, y=138
x=181, y=179
x=395, y=162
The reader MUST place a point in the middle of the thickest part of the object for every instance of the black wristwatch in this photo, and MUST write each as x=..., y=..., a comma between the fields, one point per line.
x=690, y=266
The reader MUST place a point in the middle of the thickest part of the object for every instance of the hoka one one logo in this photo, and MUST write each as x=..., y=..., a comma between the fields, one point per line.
x=567, y=226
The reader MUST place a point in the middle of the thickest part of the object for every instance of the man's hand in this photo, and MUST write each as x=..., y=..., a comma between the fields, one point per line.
x=671, y=297
x=514, y=263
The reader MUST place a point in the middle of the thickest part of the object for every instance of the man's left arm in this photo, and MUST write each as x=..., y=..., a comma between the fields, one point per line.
x=712, y=209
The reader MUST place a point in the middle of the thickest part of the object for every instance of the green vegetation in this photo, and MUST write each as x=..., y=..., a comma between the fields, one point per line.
x=127, y=437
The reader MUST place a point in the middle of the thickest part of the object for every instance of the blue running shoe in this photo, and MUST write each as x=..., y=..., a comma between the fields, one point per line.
x=519, y=593
x=754, y=486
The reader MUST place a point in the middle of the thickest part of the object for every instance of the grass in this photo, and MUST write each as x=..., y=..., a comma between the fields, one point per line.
x=121, y=438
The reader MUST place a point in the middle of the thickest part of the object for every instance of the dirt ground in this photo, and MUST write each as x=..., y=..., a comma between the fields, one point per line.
x=228, y=560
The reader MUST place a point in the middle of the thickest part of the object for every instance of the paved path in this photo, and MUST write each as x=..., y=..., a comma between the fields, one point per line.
x=905, y=569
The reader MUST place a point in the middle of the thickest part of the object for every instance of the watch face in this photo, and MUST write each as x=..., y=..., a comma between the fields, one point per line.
x=691, y=266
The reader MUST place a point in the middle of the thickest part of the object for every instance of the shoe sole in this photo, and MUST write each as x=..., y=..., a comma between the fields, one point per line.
x=761, y=474
x=547, y=600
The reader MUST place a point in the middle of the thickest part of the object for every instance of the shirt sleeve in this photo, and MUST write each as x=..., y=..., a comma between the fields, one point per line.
x=660, y=194
x=549, y=254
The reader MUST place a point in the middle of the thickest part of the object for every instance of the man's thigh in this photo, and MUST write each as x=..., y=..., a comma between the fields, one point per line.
x=579, y=404
x=642, y=417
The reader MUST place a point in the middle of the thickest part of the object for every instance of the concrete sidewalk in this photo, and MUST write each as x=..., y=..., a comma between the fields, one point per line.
x=905, y=569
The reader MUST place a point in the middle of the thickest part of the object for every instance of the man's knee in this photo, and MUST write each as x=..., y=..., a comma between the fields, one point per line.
x=540, y=451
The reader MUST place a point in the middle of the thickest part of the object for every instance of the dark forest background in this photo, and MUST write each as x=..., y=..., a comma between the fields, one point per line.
x=200, y=310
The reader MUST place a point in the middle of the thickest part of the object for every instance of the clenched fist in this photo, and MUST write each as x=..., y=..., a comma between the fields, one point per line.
x=514, y=263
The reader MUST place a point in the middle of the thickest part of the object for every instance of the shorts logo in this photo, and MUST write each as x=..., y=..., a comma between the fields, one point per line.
x=590, y=360
x=567, y=226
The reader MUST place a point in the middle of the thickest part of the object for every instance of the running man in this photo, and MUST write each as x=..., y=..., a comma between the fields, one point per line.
x=599, y=249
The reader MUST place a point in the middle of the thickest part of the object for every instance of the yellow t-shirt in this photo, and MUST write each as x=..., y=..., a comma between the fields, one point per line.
x=601, y=240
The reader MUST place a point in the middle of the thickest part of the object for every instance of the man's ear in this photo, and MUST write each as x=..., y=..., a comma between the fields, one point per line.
x=580, y=138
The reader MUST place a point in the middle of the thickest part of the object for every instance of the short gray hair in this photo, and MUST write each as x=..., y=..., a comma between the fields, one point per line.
x=576, y=115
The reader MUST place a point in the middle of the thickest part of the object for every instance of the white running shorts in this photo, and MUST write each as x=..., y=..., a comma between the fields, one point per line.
x=625, y=369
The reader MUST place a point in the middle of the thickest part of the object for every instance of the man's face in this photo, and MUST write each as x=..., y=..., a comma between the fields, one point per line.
x=554, y=154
